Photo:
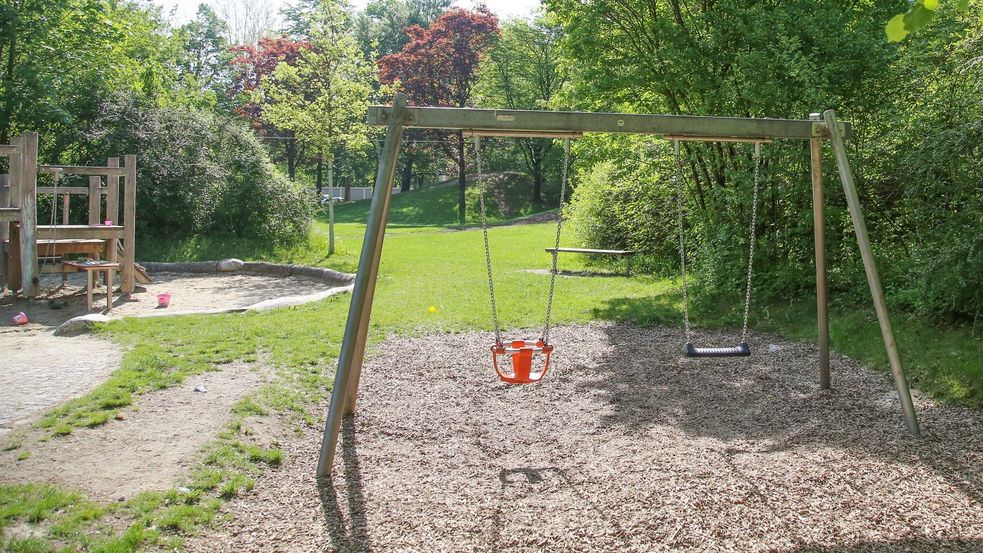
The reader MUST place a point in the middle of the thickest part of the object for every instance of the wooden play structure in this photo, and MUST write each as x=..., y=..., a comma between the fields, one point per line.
x=30, y=248
x=551, y=124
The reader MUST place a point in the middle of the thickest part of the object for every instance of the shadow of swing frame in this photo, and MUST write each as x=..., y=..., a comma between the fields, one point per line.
x=568, y=124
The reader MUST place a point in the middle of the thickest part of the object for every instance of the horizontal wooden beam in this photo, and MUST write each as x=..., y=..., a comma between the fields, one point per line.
x=84, y=170
x=49, y=232
x=9, y=149
x=9, y=214
x=522, y=123
x=66, y=190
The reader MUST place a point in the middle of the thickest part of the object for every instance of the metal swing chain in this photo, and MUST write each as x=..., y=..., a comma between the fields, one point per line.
x=484, y=232
x=556, y=243
x=682, y=247
x=754, y=220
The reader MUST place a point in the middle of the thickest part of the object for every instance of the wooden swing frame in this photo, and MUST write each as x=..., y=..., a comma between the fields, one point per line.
x=552, y=124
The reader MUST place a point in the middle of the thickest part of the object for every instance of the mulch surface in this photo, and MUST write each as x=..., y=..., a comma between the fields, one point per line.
x=626, y=446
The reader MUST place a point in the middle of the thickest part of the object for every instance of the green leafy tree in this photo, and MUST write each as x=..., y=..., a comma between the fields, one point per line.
x=58, y=57
x=323, y=96
x=921, y=14
x=204, y=62
x=524, y=71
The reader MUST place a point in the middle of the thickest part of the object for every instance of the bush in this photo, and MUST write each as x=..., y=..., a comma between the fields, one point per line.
x=198, y=172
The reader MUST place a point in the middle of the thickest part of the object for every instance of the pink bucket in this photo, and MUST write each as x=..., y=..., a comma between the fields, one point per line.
x=108, y=223
x=163, y=300
x=20, y=318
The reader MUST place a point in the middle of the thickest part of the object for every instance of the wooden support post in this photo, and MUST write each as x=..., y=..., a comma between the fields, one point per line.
x=819, y=229
x=126, y=277
x=65, y=207
x=357, y=325
x=4, y=230
x=112, y=193
x=29, y=215
x=873, y=277
x=95, y=184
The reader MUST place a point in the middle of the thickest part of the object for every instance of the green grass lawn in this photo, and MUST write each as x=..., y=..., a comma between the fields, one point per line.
x=423, y=265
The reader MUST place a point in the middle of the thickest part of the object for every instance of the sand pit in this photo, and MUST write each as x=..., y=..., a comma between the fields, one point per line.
x=626, y=447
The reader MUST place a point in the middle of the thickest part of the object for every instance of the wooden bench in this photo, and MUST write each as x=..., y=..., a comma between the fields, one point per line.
x=588, y=251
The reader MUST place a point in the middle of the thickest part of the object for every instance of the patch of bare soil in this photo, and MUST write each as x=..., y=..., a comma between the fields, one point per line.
x=626, y=446
x=39, y=370
x=154, y=444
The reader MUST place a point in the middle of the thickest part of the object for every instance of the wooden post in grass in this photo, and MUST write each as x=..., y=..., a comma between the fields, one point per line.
x=870, y=266
x=126, y=275
x=95, y=185
x=819, y=230
x=357, y=326
x=30, y=284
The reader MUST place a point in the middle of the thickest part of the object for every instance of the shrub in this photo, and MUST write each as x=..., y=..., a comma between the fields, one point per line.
x=198, y=172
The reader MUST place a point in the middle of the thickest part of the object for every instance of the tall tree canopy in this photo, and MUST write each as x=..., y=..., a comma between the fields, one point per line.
x=322, y=96
x=524, y=71
x=438, y=67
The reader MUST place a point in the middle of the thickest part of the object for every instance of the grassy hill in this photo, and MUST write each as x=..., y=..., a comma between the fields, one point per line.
x=509, y=198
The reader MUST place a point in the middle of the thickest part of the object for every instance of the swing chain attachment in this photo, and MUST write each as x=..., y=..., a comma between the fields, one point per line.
x=754, y=221
x=556, y=243
x=484, y=231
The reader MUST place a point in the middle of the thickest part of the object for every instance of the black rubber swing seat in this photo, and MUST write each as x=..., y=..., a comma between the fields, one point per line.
x=742, y=350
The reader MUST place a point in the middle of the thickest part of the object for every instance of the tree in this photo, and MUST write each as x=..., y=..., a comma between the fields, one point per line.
x=438, y=67
x=380, y=28
x=203, y=67
x=59, y=57
x=524, y=72
x=322, y=97
x=251, y=65
x=920, y=14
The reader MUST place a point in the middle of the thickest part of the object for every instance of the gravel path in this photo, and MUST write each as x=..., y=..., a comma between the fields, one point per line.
x=625, y=447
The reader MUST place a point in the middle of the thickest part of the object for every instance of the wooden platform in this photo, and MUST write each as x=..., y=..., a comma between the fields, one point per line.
x=9, y=214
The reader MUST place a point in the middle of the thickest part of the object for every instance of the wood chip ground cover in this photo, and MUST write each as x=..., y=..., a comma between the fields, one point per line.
x=626, y=447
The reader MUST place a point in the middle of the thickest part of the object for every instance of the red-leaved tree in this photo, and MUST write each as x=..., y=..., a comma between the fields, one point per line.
x=438, y=67
x=251, y=64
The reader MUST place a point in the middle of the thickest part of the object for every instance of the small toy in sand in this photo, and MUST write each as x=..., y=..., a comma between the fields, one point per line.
x=20, y=318
x=163, y=300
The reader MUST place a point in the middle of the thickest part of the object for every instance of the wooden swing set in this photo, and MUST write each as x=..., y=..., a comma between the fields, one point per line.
x=566, y=125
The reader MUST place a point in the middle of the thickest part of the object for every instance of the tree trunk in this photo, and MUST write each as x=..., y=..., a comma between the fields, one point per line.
x=331, y=205
x=290, y=150
x=320, y=171
x=8, y=104
x=406, y=177
x=462, y=177
x=537, y=177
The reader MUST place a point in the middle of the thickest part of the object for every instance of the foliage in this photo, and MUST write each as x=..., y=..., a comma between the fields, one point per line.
x=523, y=71
x=910, y=107
x=199, y=173
x=204, y=62
x=323, y=95
x=380, y=27
x=438, y=67
x=251, y=65
x=918, y=16
x=59, y=56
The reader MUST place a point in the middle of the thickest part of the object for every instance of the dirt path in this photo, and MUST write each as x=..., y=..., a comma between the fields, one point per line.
x=38, y=371
x=154, y=444
x=626, y=447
